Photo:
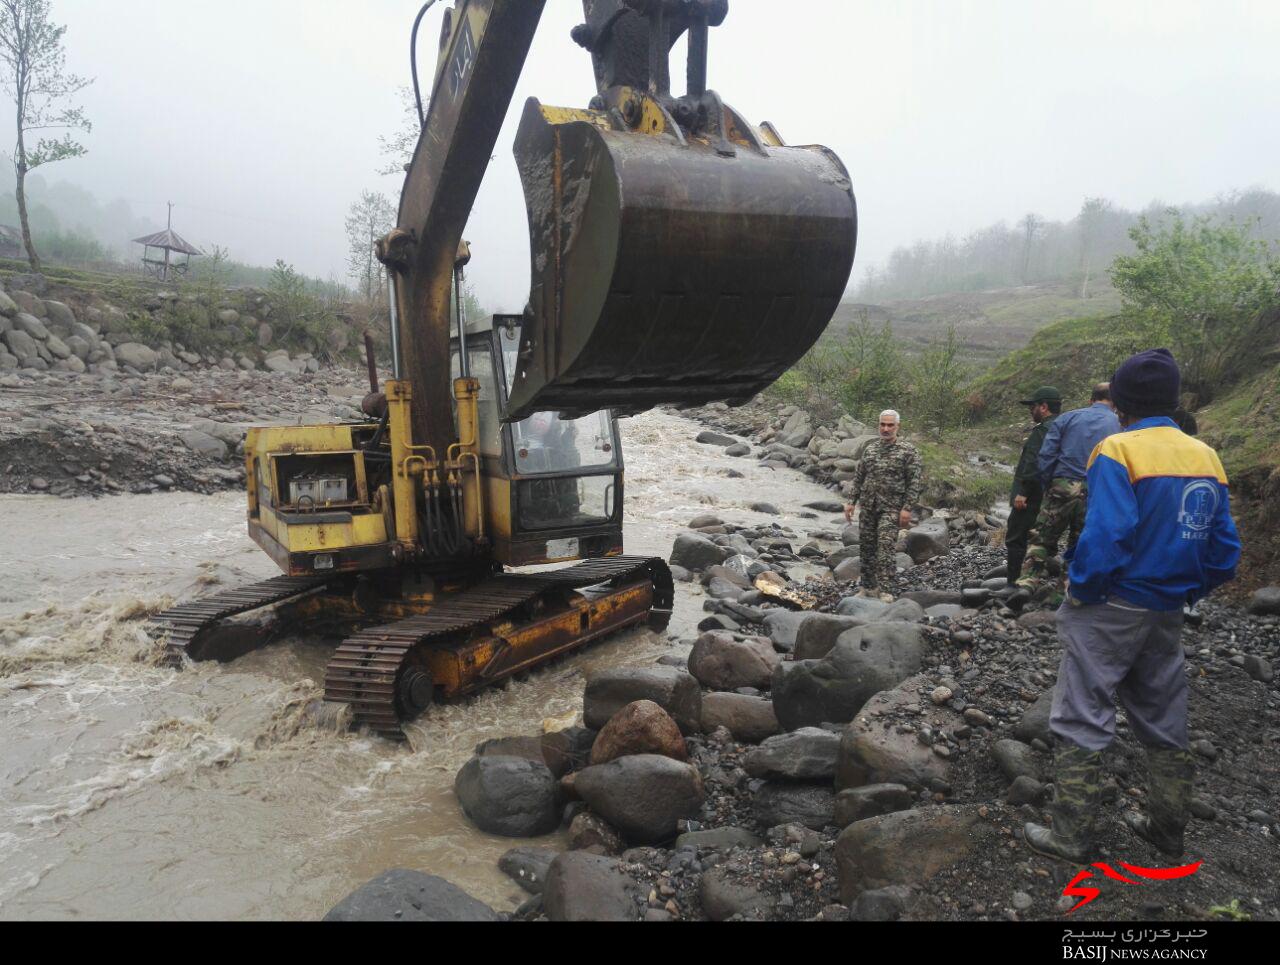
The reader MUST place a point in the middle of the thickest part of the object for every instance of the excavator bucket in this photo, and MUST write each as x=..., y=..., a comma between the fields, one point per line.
x=671, y=270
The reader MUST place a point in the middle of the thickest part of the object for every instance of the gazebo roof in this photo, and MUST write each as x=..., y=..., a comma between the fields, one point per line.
x=171, y=240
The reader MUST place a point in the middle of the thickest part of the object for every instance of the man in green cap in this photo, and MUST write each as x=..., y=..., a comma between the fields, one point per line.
x=1028, y=493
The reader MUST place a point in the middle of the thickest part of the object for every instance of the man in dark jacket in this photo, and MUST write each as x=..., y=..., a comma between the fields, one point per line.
x=1027, y=492
x=1158, y=534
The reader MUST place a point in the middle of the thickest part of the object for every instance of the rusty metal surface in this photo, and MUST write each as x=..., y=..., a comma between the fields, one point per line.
x=668, y=273
x=182, y=627
x=368, y=667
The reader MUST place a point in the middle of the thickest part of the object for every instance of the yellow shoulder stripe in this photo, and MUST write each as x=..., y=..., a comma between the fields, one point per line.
x=1162, y=451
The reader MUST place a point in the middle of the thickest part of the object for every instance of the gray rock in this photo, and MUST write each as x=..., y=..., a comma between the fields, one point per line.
x=528, y=748
x=528, y=867
x=1265, y=602
x=715, y=439
x=590, y=832
x=864, y=661
x=797, y=432
x=57, y=347
x=784, y=627
x=738, y=450
x=8, y=307
x=722, y=840
x=1038, y=619
x=266, y=335
x=928, y=540
x=881, y=904
x=724, y=896
x=875, y=750
x=768, y=509
x=720, y=662
x=932, y=598
x=1259, y=668
x=402, y=895
x=22, y=345
x=644, y=796
x=588, y=887
x=705, y=522
x=1015, y=759
x=855, y=804
x=848, y=571
x=808, y=754
x=22, y=322
x=60, y=315
x=28, y=302
x=696, y=552
x=509, y=796
x=906, y=847
x=864, y=608
x=203, y=443
x=809, y=805
x=1034, y=724
x=748, y=719
x=818, y=634
x=567, y=750
x=673, y=690
x=1024, y=790
x=136, y=356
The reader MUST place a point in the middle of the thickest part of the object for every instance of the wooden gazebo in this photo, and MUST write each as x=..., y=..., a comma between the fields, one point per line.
x=158, y=252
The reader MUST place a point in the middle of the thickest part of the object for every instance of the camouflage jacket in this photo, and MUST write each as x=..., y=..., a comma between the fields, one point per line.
x=1026, y=478
x=890, y=476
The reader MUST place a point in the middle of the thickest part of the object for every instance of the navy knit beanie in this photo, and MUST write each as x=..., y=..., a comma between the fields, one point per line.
x=1149, y=384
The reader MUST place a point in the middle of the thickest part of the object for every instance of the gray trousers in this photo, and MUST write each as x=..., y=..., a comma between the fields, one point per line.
x=1117, y=650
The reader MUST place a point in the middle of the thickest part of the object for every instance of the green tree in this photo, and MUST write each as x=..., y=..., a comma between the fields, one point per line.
x=871, y=368
x=35, y=76
x=368, y=219
x=1209, y=288
x=940, y=377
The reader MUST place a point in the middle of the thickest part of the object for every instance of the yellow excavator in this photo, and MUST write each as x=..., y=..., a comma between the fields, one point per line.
x=680, y=255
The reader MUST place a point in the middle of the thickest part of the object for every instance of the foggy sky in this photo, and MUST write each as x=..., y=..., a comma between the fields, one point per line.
x=260, y=120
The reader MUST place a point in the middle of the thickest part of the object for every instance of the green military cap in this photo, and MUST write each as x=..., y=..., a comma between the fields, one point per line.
x=1046, y=393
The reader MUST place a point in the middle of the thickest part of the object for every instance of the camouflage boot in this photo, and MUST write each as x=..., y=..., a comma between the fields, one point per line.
x=1169, y=805
x=1077, y=795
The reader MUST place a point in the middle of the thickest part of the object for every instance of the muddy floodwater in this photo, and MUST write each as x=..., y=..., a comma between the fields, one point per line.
x=133, y=792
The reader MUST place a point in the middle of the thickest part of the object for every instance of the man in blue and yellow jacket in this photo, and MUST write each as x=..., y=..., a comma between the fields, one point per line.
x=1158, y=535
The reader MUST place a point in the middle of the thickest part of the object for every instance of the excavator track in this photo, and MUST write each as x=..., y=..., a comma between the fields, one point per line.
x=180, y=628
x=364, y=672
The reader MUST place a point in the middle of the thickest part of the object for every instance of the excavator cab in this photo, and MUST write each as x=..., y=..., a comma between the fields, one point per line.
x=554, y=484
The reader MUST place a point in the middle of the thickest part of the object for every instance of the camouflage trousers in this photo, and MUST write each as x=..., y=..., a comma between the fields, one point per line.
x=1061, y=513
x=878, y=538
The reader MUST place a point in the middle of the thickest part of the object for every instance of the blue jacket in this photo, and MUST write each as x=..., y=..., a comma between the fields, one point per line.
x=1159, y=532
x=1071, y=441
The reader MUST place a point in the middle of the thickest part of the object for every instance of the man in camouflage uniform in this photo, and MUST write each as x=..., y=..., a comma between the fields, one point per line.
x=887, y=485
x=1062, y=465
x=1045, y=405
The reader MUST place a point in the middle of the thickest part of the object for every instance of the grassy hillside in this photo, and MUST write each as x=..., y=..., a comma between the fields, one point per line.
x=988, y=323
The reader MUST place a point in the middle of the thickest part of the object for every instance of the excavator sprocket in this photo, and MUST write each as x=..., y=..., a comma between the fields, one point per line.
x=371, y=670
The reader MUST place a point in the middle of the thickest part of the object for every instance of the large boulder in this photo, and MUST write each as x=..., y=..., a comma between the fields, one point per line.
x=809, y=805
x=749, y=719
x=863, y=662
x=715, y=439
x=24, y=322
x=928, y=540
x=808, y=754
x=23, y=347
x=8, y=307
x=855, y=804
x=60, y=315
x=1034, y=723
x=528, y=867
x=529, y=748
x=873, y=750
x=784, y=627
x=29, y=303
x=727, y=894
x=643, y=796
x=568, y=750
x=639, y=728
x=402, y=895
x=509, y=796
x=906, y=847
x=720, y=662
x=798, y=431
x=204, y=444
x=696, y=552
x=589, y=887
x=673, y=690
x=818, y=634
x=1266, y=601
x=136, y=356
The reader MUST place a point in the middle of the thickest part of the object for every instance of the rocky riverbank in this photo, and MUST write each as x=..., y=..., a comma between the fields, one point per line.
x=812, y=755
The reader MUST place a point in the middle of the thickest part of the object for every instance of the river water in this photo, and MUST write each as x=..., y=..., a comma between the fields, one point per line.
x=133, y=792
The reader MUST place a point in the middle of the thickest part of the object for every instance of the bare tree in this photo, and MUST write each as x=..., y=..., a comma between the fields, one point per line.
x=398, y=149
x=369, y=219
x=35, y=76
x=1031, y=225
x=1092, y=214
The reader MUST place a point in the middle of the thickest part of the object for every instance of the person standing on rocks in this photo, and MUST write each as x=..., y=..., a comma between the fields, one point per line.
x=1062, y=465
x=1027, y=493
x=887, y=484
x=1158, y=535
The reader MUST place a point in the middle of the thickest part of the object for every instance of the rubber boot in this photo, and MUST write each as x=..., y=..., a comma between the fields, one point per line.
x=1013, y=570
x=1077, y=795
x=1169, y=804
